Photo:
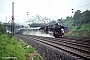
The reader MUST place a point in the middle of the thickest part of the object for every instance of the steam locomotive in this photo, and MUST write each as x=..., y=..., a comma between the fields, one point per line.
x=56, y=30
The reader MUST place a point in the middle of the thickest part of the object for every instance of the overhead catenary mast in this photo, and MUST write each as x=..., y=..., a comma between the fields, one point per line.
x=12, y=23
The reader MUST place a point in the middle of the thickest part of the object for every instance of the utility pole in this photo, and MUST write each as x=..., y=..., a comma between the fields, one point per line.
x=12, y=22
x=5, y=19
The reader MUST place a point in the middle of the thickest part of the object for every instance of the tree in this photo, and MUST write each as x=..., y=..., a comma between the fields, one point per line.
x=60, y=21
x=2, y=29
x=86, y=17
x=68, y=18
x=52, y=22
x=76, y=17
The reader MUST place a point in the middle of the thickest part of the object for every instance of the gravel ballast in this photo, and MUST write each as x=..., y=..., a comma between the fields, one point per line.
x=48, y=52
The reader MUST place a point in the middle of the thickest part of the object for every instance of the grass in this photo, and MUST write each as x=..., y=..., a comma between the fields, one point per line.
x=16, y=49
x=30, y=50
x=10, y=48
x=35, y=56
x=85, y=27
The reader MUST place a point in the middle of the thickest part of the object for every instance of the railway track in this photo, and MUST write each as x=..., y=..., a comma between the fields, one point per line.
x=83, y=39
x=76, y=48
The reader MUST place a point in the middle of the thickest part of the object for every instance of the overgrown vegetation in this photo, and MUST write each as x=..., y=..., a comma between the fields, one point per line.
x=12, y=48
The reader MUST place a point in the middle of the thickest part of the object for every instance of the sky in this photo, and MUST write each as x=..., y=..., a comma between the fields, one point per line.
x=54, y=9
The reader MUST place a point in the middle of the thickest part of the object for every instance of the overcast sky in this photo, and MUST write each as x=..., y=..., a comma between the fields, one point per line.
x=50, y=8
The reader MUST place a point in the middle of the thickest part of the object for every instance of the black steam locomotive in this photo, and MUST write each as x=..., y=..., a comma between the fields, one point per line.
x=56, y=30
